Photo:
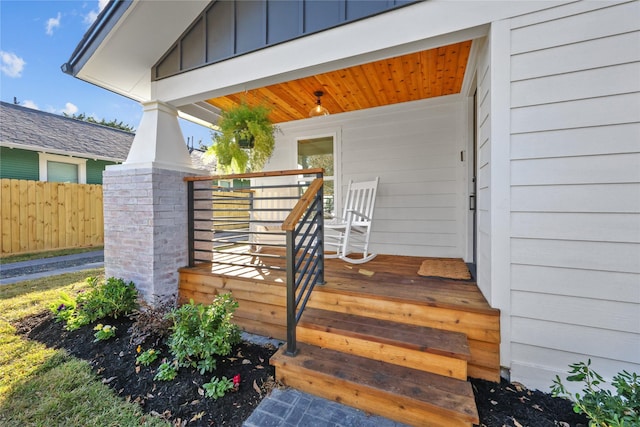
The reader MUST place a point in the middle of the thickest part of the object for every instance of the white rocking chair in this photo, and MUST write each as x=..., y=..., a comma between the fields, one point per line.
x=354, y=228
x=271, y=206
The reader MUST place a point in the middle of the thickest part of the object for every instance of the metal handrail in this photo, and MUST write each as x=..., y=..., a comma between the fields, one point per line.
x=305, y=255
x=290, y=172
x=224, y=229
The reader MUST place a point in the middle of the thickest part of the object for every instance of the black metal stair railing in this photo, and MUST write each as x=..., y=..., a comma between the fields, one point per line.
x=265, y=225
x=305, y=256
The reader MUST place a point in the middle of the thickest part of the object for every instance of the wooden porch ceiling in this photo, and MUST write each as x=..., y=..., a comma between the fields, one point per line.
x=435, y=72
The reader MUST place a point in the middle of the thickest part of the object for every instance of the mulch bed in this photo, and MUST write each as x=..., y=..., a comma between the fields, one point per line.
x=513, y=405
x=181, y=401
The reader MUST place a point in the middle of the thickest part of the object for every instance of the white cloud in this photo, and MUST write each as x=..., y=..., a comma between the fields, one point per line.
x=29, y=104
x=69, y=109
x=53, y=23
x=93, y=15
x=12, y=64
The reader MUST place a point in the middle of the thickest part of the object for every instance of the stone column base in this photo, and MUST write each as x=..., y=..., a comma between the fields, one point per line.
x=145, y=228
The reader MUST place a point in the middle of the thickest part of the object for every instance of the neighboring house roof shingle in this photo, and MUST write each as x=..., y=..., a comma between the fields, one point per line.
x=205, y=163
x=35, y=130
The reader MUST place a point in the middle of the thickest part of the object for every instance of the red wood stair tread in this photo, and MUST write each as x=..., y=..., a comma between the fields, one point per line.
x=442, y=395
x=430, y=340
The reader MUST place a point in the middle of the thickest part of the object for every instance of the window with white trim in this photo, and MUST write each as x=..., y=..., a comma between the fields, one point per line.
x=318, y=153
x=56, y=168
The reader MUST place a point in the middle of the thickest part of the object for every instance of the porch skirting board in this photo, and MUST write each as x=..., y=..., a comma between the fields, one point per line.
x=449, y=268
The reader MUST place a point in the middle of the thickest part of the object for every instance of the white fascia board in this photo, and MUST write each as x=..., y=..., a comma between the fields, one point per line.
x=122, y=62
x=201, y=113
x=59, y=152
x=409, y=29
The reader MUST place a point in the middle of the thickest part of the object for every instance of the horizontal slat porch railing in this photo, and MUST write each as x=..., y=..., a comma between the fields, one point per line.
x=269, y=221
x=305, y=255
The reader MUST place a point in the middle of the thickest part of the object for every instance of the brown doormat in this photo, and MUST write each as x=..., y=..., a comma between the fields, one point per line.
x=449, y=268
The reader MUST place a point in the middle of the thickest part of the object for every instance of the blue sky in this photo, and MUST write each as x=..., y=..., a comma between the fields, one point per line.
x=36, y=38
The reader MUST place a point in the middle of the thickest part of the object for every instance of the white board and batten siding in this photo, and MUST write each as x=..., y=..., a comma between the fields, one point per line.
x=575, y=190
x=415, y=150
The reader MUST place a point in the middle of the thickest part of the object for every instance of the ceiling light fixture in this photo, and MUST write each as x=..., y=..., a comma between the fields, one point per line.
x=318, y=110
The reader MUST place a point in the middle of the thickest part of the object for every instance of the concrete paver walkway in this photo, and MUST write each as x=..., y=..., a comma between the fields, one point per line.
x=290, y=407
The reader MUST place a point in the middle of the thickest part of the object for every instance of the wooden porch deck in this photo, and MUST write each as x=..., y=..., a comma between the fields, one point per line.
x=376, y=336
x=387, y=288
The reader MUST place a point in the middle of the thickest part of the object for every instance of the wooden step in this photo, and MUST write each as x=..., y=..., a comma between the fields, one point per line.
x=396, y=392
x=426, y=349
x=482, y=329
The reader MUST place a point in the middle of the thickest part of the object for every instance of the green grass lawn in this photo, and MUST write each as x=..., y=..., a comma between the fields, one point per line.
x=44, y=387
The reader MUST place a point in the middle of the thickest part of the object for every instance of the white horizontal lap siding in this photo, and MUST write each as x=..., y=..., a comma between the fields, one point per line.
x=568, y=142
x=531, y=355
x=620, y=287
x=575, y=190
x=614, y=227
x=415, y=153
x=414, y=149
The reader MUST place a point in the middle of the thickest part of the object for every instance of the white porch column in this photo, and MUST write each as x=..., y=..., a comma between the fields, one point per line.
x=156, y=142
x=145, y=206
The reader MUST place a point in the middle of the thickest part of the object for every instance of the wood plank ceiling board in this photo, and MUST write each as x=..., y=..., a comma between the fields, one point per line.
x=411, y=77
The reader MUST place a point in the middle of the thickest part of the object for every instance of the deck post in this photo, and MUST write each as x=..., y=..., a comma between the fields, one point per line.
x=291, y=296
x=190, y=224
x=320, y=241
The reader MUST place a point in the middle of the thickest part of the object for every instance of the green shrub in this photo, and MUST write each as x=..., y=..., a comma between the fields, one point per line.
x=167, y=371
x=112, y=298
x=147, y=357
x=218, y=387
x=200, y=333
x=603, y=408
x=104, y=332
x=64, y=308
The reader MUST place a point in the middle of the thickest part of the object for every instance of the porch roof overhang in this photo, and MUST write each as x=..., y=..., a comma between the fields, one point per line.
x=414, y=76
x=127, y=38
x=357, y=65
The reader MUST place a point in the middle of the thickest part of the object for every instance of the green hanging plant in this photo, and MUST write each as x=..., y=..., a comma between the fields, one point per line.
x=246, y=139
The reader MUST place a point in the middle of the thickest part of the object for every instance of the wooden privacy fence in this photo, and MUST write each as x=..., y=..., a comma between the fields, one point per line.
x=232, y=214
x=38, y=216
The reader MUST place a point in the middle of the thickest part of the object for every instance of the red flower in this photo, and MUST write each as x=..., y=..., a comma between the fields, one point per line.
x=236, y=382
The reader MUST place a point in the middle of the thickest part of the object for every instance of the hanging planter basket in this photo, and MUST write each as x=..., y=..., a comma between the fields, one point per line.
x=245, y=140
